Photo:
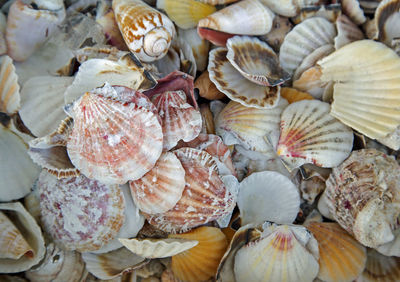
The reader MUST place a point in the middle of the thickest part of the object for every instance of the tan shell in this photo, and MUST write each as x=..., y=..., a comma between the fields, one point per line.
x=9, y=93
x=380, y=268
x=208, y=119
x=280, y=27
x=207, y=88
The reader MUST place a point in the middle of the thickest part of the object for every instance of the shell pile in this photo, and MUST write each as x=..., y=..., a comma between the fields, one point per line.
x=199, y=140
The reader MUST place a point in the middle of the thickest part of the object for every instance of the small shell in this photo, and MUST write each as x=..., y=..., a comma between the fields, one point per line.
x=386, y=18
x=207, y=88
x=208, y=119
x=380, y=268
x=160, y=248
x=309, y=134
x=199, y=263
x=147, y=32
x=280, y=27
x=352, y=9
x=161, y=188
x=230, y=82
x=287, y=8
x=293, y=95
x=9, y=88
x=255, y=60
x=392, y=248
x=200, y=47
x=347, y=32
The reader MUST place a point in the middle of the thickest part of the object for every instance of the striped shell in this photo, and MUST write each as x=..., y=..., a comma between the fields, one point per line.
x=9, y=88
x=380, y=268
x=386, y=18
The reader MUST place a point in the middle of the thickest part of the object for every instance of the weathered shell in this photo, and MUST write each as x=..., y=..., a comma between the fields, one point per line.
x=293, y=95
x=147, y=32
x=207, y=88
x=9, y=87
x=386, y=18
x=352, y=9
x=380, y=268
x=347, y=32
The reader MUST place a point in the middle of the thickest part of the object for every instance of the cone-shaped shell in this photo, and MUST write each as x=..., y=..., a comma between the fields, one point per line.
x=9, y=88
x=386, y=18
x=160, y=248
x=341, y=257
x=255, y=60
x=199, y=263
x=365, y=95
x=380, y=268
x=147, y=32
x=309, y=134
x=161, y=188
x=229, y=81
x=248, y=17
x=115, y=137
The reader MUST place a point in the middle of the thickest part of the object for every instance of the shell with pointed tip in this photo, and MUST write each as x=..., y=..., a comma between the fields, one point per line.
x=293, y=95
x=363, y=195
x=268, y=196
x=387, y=17
x=180, y=121
x=161, y=188
x=247, y=17
x=158, y=248
x=116, y=135
x=205, y=198
x=30, y=231
x=352, y=9
x=255, y=60
x=303, y=39
x=347, y=32
x=80, y=214
x=200, y=47
x=341, y=257
x=147, y=32
x=199, y=263
x=9, y=87
x=22, y=19
x=380, y=268
x=231, y=82
x=365, y=96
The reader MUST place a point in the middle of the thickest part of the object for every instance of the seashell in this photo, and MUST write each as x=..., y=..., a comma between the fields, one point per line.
x=32, y=204
x=153, y=268
x=208, y=119
x=161, y=188
x=205, y=198
x=147, y=32
x=370, y=29
x=341, y=258
x=79, y=213
x=287, y=8
x=22, y=18
x=230, y=82
x=293, y=95
x=169, y=63
x=113, y=264
x=309, y=134
x=199, y=263
x=247, y=17
x=180, y=121
x=15, y=185
x=392, y=140
x=268, y=196
x=380, y=268
x=200, y=47
x=303, y=39
x=161, y=248
x=114, y=131
x=185, y=13
x=367, y=104
x=311, y=188
x=310, y=82
x=32, y=234
x=386, y=16
x=392, y=248
x=187, y=60
x=362, y=195
x=9, y=93
x=216, y=37
x=352, y=9
x=207, y=88
x=3, y=25
x=217, y=2
x=280, y=27
x=255, y=60
x=329, y=12
x=347, y=32
x=111, y=30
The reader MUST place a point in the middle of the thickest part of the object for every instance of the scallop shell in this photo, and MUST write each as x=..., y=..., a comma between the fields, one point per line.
x=230, y=82
x=199, y=263
x=364, y=97
x=380, y=268
x=124, y=130
x=161, y=188
x=386, y=18
x=352, y=9
x=341, y=258
x=268, y=196
x=309, y=134
x=160, y=248
x=293, y=95
x=147, y=32
x=328, y=11
x=185, y=13
x=303, y=39
x=80, y=214
x=247, y=17
x=31, y=232
x=255, y=60
x=9, y=93
x=347, y=32
x=363, y=194
x=200, y=47
x=207, y=88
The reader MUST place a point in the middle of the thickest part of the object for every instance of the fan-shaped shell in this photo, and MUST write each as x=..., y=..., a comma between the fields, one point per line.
x=9, y=88
x=161, y=188
x=114, y=140
x=309, y=134
x=380, y=268
x=147, y=32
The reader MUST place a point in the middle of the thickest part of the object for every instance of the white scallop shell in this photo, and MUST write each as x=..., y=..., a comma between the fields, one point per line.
x=9, y=87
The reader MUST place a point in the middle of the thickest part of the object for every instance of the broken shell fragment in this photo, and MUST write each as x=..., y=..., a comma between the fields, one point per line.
x=9, y=87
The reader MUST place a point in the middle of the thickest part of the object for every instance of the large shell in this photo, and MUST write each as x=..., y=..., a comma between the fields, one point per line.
x=147, y=32
x=365, y=96
x=309, y=134
x=79, y=213
x=9, y=88
x=230, y=82
x=303, y=39
x=115, y=137
x=386, y=18
x=363, y=195
x=161, y=188
x=380, y=268
x=341, y=258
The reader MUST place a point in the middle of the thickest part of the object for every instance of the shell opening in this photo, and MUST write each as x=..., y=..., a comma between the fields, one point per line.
x=156, y=42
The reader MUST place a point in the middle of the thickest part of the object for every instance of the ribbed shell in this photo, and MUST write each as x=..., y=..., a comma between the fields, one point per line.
x=161, y=188
x=3, y=24
x=387, y=18
x=347, y=32
x=309, y=134
x=9, y=88
x=380, y=268
x=114, y=140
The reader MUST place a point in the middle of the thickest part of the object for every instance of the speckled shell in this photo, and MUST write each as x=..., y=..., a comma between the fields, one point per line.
x=380, y=268
x=363, y=196
x=116, y=135
x=147, y=32
x=387, y=18
x=9, y=87
x=79, y=213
